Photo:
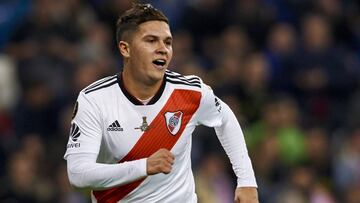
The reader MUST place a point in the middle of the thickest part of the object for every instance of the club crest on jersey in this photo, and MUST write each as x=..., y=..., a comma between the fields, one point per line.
x=173, y=121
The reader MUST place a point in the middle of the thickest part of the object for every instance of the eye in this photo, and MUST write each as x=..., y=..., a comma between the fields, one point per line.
x=151, y=40
x=168, y=42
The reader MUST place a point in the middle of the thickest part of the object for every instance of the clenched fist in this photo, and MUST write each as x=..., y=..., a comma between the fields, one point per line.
x=160, y=162
x=246, y=195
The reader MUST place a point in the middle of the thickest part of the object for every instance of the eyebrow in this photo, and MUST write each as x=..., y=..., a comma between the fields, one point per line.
x=157, y=37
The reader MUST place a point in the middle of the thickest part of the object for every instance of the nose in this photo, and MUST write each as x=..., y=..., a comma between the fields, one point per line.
x=162, y=52
x=162, y=49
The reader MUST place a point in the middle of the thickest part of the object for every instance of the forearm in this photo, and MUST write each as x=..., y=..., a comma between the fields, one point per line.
x=83, y=171
x=233, y=142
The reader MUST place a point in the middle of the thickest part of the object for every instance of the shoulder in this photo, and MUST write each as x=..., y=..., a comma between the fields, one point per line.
x=96, y=95
x=183, y=80
x=101, y=84
x=192, y=82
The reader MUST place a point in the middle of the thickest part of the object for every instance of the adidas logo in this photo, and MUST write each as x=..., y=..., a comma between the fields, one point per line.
x=115, y=126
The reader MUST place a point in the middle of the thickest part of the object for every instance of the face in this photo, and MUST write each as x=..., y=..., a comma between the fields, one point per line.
x=149, y=52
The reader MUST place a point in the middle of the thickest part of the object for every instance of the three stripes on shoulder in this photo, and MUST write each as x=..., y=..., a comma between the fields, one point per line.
x=105, y=82
x=177, y=78
x=171, y=77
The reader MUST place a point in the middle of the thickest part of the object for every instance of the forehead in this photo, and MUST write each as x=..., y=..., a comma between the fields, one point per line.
x=155, y=28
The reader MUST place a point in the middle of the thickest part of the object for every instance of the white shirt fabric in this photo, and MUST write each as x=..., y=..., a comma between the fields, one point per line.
x=107, y=125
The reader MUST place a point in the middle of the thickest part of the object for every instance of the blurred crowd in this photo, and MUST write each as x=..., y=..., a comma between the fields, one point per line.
x=289, y=69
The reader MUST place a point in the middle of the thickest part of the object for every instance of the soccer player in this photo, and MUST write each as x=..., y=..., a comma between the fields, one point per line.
x=130, y=137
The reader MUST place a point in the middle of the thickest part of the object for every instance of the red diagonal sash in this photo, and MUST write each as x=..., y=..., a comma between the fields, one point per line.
x=157, y=137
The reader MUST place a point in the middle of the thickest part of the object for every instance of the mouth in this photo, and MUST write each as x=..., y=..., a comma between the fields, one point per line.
x=159, y=63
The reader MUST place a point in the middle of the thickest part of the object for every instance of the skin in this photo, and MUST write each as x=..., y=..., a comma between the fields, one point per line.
x=153, y=40
x=160, y=162
x=246, y=195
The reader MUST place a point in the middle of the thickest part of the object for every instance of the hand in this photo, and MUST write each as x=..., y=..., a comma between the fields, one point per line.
x=160, y=162
x=246, y=195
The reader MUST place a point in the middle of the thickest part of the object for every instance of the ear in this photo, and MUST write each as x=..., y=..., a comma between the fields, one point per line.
x=124, y=49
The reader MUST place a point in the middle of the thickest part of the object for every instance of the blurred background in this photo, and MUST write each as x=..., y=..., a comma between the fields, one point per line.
x=289, y=69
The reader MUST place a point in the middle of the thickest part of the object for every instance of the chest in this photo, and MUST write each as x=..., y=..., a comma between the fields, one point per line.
x=133, y=132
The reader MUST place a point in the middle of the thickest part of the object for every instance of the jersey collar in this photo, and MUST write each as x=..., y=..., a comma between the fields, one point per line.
x=133, y=99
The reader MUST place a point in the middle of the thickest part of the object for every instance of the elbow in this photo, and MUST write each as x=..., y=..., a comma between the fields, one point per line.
x=76, y=179
x=81, y=179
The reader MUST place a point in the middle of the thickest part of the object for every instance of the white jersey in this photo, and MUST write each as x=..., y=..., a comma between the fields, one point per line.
x=118, y=131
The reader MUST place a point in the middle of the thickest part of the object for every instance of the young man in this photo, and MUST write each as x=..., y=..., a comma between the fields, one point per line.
x=130, y=137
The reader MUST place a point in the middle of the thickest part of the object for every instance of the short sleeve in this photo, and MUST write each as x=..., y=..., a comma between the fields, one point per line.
x=85, y=131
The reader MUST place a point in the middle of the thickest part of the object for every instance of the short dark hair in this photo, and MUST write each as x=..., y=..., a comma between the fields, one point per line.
x=132, y=18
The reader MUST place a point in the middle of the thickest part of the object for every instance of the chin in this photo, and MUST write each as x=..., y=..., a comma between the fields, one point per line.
x=161, y=71
x=157, y=77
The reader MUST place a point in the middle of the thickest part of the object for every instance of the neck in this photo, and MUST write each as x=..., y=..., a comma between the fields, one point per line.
x=138, y=88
